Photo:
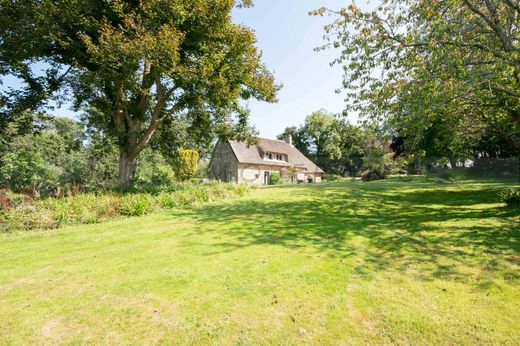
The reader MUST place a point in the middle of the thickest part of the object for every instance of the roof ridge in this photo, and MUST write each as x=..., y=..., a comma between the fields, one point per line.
x=246, y=153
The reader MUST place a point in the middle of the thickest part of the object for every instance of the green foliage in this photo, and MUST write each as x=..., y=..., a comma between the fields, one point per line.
x=372, y=174
x=332, y=177
x=178, y=133
x=299, y=137
x=377, y=163
x=186, y=163
x=449, y=73
x=332, y=143
x=102, y=155
x=20, y=212
x=27, y=171
x=153, y=172
x=322, y=129
x=61, y=156
x=510, y=196
x=135, y=205
x=132, y=65
x=429, y=50
x=276, y=178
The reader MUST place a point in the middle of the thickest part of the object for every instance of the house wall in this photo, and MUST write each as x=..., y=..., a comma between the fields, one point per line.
x=224, y=164
x=254, y=174
x=304, y=177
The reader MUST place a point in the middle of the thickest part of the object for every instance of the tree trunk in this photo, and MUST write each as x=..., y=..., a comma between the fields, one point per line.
x=127, y=165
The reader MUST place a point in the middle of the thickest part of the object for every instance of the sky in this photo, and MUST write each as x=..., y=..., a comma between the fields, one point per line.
x=287, y=36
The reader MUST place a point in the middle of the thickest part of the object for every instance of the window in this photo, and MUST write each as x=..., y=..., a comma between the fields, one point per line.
x=277, y=157
x=257, y=176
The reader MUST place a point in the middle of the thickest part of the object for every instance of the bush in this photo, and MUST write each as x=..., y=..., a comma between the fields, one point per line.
x=153, y=172
x=370, y=175
x=27, y=171
x=275, y=178
x=510, y=196
x=186, y=163
x=135, y=205
x=21, y=212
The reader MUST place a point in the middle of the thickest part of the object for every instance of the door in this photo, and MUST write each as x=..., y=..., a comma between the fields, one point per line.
x=266, y=178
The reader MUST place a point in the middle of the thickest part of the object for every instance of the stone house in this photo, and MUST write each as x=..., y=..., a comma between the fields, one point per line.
x=254, y=164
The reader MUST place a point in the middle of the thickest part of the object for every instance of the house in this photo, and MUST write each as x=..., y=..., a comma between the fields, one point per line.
x=254, y=164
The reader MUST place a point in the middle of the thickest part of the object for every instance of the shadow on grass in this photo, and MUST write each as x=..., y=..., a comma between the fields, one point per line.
x=381, y=225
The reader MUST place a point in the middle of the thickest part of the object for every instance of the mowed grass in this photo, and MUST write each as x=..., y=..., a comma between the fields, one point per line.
x=344, y=263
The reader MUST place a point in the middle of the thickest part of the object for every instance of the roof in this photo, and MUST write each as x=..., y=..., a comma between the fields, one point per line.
x=254, y=154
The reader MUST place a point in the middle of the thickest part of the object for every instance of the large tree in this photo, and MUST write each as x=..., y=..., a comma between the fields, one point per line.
x=322, y=129
x=421, y=60
x=333, y=143
x=130, y=65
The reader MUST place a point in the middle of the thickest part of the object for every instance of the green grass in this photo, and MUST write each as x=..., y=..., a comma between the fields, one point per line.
x=339, y=263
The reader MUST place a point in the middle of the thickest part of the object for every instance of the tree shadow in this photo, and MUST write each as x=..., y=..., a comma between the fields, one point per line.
x=430, y=232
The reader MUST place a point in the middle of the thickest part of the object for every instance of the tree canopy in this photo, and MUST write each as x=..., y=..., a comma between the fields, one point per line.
x=333, y=143
x=449, y=67
x=132, y=65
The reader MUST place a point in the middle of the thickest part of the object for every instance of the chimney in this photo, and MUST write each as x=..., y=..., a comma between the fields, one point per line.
x=288, y=139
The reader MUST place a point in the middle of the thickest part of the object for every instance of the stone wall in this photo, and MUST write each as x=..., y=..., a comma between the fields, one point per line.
x=223, y=165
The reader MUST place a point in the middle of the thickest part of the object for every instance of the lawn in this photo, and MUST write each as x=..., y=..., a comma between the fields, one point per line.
x=339, y=263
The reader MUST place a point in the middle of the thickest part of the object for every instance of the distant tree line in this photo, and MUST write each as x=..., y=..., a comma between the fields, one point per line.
x=342, y=148
x=335, y=145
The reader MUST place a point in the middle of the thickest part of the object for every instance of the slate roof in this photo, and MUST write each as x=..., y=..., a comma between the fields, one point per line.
x=254, y=154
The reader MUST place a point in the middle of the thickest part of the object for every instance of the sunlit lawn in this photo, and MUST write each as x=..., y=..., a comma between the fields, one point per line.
x=345, y=263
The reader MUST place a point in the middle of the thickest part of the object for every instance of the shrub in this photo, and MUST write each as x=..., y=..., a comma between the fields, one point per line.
x=373, y=174
x=153, y=172
x=167, y=200
x=135, y=204
x=275, y=178
x=510, y=196
x=6, y=201
x=186, y=163
x=20, y=212
x=27, y=171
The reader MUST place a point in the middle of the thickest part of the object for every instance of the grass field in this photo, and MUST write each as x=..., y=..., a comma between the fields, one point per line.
x=344, y=263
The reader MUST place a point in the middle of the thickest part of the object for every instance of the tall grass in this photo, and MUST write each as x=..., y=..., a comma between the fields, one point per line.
x=19, y=212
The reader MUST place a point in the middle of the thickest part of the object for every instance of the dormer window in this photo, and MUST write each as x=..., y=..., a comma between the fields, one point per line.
x=274, y=157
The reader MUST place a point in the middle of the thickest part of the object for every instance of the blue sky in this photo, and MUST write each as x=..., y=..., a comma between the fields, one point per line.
x=287, y=35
